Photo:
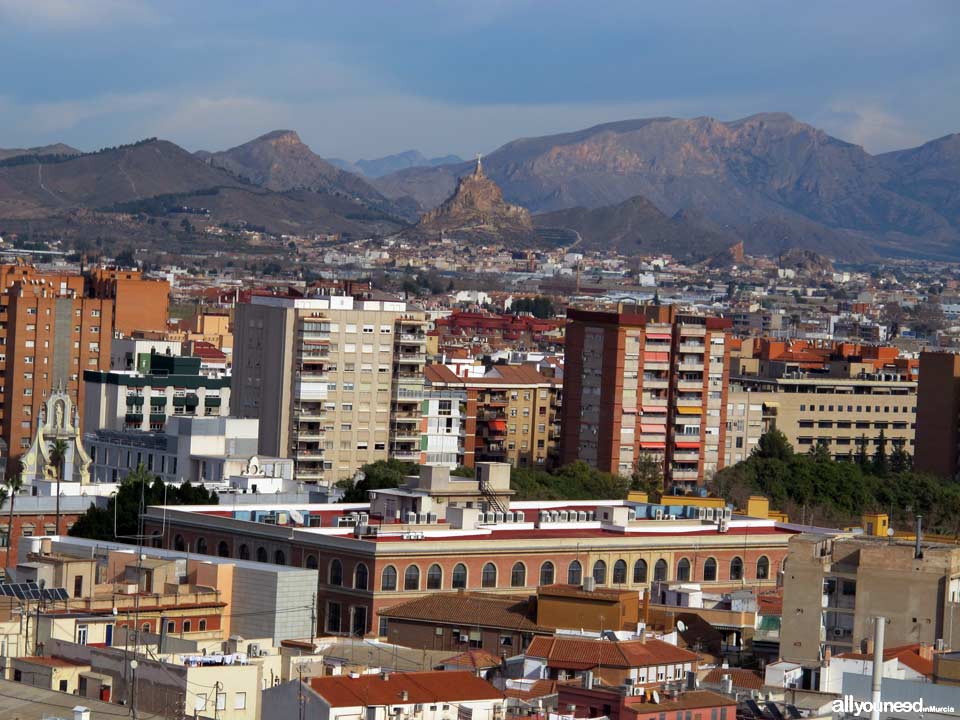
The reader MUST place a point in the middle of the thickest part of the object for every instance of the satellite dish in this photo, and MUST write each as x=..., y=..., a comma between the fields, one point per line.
x=297, y=517
x=656, y=698
x=681, y=625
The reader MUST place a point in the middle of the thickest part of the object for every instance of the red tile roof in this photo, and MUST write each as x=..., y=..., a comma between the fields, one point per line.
x=476, y=659
x=912, y=656
x=468, y=610
x=421, y=687
x=539, y=689
x=577, y=654
x=745, y=679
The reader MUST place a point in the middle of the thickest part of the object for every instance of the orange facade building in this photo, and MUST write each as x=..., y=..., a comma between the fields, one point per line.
x=55, y=325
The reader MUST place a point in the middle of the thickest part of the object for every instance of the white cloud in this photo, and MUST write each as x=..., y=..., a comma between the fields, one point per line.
x=68, y=15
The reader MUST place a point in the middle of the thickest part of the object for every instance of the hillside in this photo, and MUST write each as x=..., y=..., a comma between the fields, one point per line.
x=55, y=149
x=637, y=226
x=764, y=171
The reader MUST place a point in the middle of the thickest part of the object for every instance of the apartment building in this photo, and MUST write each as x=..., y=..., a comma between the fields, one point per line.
x=336, y=380
x=511, y=415
x=834, y=587
x=166, y=386
x=745, y=424
x=53, y=327
x=938, y=414
x=646, y=379
x=836, y=394
x=444, y=428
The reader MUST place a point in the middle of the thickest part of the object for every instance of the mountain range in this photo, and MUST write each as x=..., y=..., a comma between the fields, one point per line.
x=393, y=163
x=649, y=185
x=769, y=179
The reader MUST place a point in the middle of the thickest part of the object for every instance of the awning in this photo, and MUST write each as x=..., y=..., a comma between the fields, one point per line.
x=659, y=336
x=655, y=409
x=653, y=428
x=652, y=445
x=688, y=444
x=656, y=357
x=500, y=425
x=689, y=410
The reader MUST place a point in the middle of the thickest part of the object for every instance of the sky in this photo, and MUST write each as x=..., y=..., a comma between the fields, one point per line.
x=362, y=79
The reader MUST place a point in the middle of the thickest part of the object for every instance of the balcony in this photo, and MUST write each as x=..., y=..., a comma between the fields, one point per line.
x=310, y=416
x=485, y=415
x=685, y=474
x=310, y=435
x=308, y=453
x=689, y=402
x=411, y=358
x=691, y=456
x=404, y=433
x=408, y=394
x=407, y=337
x=692, y=347
x=406, y=455
x=656, y=383
x=691, y=365
x=494, y=401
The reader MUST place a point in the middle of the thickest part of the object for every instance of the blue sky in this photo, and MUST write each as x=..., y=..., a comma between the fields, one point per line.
x=361, y=79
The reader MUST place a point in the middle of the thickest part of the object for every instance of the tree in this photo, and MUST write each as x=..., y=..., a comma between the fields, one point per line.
x=58, y=454
x=821, y=451
x=138, y=490
x=900, y=460
x=773, y=444
x=12, y=486
x=377, y=475
x=863, y=459
x=648, y=476
x=126, y=258
x=881, y=465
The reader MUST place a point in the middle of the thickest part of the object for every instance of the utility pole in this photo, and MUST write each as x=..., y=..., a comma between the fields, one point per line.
x=313, y=619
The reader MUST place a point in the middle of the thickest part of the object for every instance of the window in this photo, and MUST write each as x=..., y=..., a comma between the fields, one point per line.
x=200, y=702
x=202, y=625
x=186, y=626
x=459, y=576
x=244, y=552
x=575, y=573
x=360, y=577
x=333, y=617
x=518, y=575
x=763, y=568
x=336, y=572
x=660, y=570
x=240, y=701
x=640, y=571
x=488, y=578
x=81, y=634
x=171, y=626
x=619, y=572
x=736, y=569
x=411, y=578
x=683, y=570
x=261, y=554
x=388, y=579
x=279, y=558
x=546, y=573
x=434, y=577
x=201, y=546
x=710, y=570
x=223, y=550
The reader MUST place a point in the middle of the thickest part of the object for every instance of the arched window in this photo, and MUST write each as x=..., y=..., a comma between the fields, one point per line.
x=336, y=572
x=763, y=568
x=312, y=562
x=736, y=569
x=178, y=543
x=488, y=578
x=619, y=572
x=683, y=570
x=261, y=554
x=575, y=573
x=223, y=550
x=186, y=626
x=279, y=558
x=360, y=576
x=388, y=579
x=518, y=575
x=546, y=573
x=434, y=577
x=710, y=570
x=411, y=578
x=600, y=572
x=459, y=577
x=201, y=546
x=660, y=570
x=202, y=625
x=244, y=552
x=640, y=571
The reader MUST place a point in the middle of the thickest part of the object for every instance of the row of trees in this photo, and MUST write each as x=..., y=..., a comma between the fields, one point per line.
x=814, y=488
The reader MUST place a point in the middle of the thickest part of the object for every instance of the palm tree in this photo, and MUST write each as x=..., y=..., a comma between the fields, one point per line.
x=12, y=486
x=58, y=453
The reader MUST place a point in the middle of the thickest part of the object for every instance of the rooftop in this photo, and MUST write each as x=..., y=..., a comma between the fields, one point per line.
x=578, y=654
x=469, y=610
x=388, y=689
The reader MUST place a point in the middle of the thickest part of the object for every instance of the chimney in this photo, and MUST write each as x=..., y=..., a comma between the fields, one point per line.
x=385, y=675
x=81, y=713
x=879, y=623
x=726, y=685
x=404, y=696
x=917, y=551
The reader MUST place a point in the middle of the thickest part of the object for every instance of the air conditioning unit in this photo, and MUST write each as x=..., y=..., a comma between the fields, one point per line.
x=411, y=518
x=518, y=516
x=658, y=514
x=432, y=518
x=253, y=649
x=498, y=517
x=464, y=638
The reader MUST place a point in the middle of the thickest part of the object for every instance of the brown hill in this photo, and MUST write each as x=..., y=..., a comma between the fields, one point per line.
x=741, y=174
x=477, y=208
x=637, y=226
x=55, y=149
x=280, y=161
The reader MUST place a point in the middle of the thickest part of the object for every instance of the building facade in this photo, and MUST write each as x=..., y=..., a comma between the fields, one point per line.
x=646, y=380
x=938, y=414
x=336, y=381
x=56, y=326
x=511, y=414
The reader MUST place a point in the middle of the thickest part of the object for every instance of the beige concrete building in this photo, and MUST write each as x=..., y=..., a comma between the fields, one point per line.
x=745, y=425
x=835, y=585
x=839, y=411
x=336, y=381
